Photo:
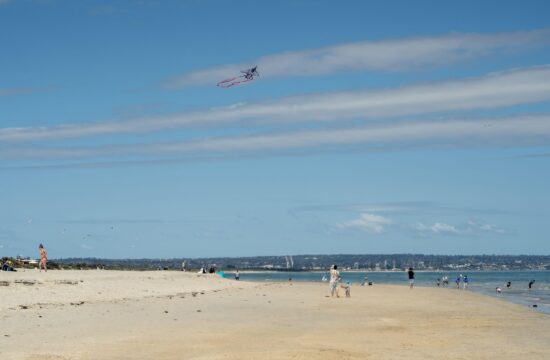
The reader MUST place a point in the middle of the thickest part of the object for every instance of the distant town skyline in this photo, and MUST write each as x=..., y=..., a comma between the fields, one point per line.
x=369, y=262
x=392, y=127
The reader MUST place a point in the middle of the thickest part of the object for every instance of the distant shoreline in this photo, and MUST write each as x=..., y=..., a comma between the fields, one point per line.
x=255, y=271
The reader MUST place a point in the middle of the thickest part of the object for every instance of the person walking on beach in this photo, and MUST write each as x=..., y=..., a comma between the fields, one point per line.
x=237, y=276
x=334, y=279
x=458, y=280
x=465, y=282
x=43, y=258
x=411, y=277
x=531, y=284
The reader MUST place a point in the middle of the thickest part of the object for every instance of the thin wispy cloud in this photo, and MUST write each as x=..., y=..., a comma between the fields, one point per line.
x=401, y=208
x=120, y=221
x=504, y=89
x=20, y=90
x=479, y=226
x=534, y=156
x=367, y=222
x=102, y=10
x=512, y=131
x=471, y=228
x=385, y=55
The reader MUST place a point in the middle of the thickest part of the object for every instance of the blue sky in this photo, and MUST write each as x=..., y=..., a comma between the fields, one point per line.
x=385, y=127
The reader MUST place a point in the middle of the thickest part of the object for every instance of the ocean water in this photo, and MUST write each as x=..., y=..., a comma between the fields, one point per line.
x=484, y=282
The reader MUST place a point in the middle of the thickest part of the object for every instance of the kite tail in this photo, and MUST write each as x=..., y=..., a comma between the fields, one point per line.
x=227, y=83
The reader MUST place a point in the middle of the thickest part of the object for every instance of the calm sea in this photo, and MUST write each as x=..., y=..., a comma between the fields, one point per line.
x=481, y=281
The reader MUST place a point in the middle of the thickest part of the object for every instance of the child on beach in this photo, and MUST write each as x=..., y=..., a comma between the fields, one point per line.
x=347, y=288
x=43, y=258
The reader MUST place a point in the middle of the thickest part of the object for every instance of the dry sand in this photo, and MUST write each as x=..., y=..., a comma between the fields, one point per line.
x=173, y=315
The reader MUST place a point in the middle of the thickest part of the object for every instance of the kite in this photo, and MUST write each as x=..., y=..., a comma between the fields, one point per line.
x=248, y=75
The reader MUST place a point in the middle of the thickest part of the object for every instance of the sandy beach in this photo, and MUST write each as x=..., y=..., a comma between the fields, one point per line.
x=173, y=315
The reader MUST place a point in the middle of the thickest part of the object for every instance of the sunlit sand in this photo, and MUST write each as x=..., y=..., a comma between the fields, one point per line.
x=175, y=315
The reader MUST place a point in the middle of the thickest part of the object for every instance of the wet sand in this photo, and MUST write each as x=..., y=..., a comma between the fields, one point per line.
x=172, y=315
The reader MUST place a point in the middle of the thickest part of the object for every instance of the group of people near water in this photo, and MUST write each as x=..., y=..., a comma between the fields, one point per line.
x=460, y=279
x=335, y=279
x=498, y=289
x=443, y=281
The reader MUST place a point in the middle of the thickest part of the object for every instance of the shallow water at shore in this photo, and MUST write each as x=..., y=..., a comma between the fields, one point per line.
x=484, y=282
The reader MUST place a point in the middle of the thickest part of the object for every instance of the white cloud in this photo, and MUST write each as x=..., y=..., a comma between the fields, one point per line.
x=505, y=89
x=368, y=222
x=514, y=131
x=385, y=55
x=436, y=229
x=443, y=228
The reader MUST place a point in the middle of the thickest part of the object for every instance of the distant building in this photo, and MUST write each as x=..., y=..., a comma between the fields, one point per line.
x=27, y=261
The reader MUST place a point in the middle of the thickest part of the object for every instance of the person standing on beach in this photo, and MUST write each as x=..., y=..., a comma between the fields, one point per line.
x=43, y=258
x=334, y=279
x=465, y=282
x=237, y=276
x=411, y=277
